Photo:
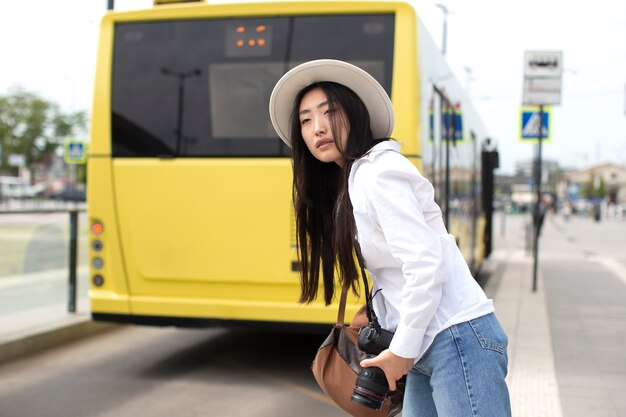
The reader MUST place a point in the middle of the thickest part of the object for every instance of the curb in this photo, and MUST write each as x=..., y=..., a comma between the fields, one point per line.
x=22, y=345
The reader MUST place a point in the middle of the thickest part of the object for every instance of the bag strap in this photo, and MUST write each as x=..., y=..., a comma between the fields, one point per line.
x=342, y=305
x=371, y=315
x=369, y=309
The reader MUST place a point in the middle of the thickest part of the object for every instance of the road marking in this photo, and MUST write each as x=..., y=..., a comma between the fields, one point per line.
x=612, y=265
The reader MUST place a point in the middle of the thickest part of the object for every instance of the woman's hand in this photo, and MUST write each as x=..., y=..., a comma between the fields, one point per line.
x=394, y=366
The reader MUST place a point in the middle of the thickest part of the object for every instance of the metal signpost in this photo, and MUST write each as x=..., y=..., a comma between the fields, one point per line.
x=542, y=86
x=75, y=154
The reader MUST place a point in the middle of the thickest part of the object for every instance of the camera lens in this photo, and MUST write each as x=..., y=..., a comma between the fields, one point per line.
x=371, y=388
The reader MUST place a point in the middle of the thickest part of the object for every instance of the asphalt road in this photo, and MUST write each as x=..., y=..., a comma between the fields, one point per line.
x=141, y=371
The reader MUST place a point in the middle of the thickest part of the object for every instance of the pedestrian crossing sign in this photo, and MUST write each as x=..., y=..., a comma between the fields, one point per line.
x=75, y=152
x=529, y=124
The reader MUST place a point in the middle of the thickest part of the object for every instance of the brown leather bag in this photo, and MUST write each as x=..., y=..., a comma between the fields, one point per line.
x=337, y=365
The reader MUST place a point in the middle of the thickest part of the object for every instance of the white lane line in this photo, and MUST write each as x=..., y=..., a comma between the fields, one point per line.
x=612, y=265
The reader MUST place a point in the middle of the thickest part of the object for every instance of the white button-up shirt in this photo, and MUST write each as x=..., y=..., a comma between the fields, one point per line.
x=424, y=282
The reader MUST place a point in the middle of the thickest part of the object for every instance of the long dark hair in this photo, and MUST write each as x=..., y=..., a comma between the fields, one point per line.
x=325, y=226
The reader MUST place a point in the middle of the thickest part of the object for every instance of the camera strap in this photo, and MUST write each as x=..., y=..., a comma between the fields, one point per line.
x=371, y=315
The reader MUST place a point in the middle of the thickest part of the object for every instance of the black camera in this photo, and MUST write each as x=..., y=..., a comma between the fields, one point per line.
x=371, y=386
x=374, y=339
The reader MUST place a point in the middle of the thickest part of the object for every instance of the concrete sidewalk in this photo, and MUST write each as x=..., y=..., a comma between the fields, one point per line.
x=523, y=314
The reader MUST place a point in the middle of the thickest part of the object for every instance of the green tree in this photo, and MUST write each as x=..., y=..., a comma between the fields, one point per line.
x=600, y=189
x=596, y=187
x=34, y=127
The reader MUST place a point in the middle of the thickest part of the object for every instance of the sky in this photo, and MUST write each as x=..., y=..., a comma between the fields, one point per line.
x=486, y=40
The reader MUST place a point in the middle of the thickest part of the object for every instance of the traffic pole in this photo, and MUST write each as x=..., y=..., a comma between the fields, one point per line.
x=537, y=210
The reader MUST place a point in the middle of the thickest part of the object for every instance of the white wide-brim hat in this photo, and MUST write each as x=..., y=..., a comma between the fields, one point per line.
x=364, y=85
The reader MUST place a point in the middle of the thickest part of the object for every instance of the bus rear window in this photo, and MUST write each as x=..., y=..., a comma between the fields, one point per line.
x=201, y=88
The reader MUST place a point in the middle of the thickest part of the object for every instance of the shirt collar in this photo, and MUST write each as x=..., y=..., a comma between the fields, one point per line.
x=388, y=145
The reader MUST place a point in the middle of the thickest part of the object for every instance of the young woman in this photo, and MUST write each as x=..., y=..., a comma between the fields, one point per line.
x=349, y=180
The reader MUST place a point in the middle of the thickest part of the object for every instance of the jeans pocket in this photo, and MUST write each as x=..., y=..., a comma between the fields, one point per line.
x=489, y=333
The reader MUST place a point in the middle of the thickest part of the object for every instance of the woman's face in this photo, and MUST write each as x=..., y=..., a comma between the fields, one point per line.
x=315, y=124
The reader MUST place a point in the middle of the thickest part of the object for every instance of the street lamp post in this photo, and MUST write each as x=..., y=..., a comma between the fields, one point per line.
x=445, y=27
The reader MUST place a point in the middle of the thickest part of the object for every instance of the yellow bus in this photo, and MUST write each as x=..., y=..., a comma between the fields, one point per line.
x=189, y=188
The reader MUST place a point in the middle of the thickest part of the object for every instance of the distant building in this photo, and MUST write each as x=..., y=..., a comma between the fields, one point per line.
x=548, y=167
x=612, y=176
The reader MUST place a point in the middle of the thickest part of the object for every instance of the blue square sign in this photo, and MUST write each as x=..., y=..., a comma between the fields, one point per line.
x=75, y=152
x=529, y=124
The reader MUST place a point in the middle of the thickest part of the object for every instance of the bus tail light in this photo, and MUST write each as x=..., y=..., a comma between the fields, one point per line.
x=97, y=246
x=98, y=280
x=97, y=263
x=97, y=228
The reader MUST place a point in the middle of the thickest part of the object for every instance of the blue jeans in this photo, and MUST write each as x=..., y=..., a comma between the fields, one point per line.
x=461, y=374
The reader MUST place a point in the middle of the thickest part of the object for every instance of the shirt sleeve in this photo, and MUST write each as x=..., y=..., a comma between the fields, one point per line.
x=393, y=195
